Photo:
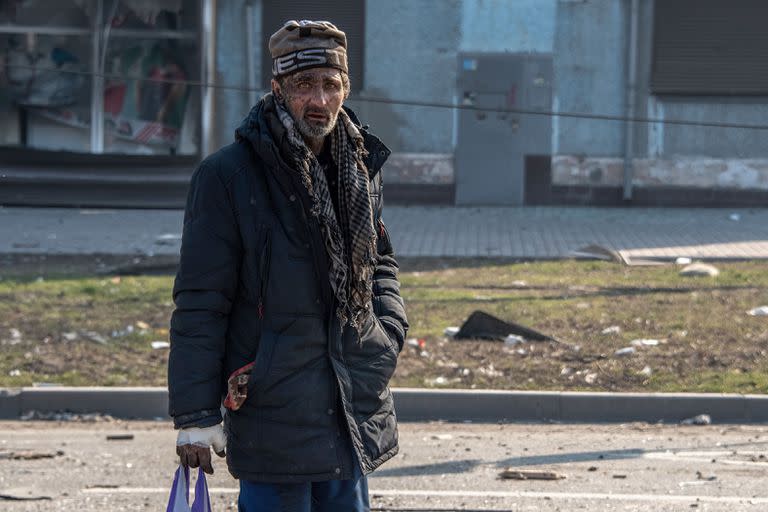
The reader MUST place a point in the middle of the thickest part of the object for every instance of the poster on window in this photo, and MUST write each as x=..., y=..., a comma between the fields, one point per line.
x=145, y=95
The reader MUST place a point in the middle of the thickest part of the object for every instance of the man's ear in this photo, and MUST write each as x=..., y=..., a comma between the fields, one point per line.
x=276, y=91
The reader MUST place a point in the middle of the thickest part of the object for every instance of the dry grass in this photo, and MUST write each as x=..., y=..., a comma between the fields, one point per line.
x=708, y=342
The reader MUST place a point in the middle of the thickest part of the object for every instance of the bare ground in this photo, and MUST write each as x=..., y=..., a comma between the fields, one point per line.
x=91, y=321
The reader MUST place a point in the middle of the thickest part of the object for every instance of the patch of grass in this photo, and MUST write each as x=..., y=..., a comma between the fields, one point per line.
x=707, y=341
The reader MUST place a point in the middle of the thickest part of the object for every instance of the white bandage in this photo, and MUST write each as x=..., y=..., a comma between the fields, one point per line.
x=209, y=436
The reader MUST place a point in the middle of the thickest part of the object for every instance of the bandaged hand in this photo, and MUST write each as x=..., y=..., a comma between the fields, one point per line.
x=193, y=446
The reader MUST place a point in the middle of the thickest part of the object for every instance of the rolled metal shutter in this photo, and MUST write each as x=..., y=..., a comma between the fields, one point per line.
x=348, y=15
x=710, y=47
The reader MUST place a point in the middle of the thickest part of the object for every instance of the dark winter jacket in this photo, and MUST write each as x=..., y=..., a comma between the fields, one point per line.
x=253, y=285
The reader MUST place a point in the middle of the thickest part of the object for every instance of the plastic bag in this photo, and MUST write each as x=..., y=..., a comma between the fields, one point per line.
x=179, y=499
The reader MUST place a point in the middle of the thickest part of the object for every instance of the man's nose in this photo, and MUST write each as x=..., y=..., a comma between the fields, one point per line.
x=320, y=97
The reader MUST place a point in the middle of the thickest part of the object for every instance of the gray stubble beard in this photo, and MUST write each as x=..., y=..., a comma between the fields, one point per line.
x=312, y=131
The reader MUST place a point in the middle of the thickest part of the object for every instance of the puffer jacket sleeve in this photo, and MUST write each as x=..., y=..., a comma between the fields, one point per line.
x=203, y=292
x=387, y=303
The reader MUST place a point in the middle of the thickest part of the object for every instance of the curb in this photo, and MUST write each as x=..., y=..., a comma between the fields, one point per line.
x=428, y=405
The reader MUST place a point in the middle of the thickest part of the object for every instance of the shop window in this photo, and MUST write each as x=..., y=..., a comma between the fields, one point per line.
x=100, y=76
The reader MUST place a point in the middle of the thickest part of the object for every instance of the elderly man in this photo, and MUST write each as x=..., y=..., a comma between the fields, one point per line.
x=287, y=297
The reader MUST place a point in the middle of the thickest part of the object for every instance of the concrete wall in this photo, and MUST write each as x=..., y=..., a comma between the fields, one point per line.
x=590, y=69
x=411, y=55
x=589, y=76
x=508, y=26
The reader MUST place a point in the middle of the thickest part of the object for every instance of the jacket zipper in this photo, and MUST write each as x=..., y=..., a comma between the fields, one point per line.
x=266, y=255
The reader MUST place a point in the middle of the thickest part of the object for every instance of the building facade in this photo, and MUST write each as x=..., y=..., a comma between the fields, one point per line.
x=513, y=102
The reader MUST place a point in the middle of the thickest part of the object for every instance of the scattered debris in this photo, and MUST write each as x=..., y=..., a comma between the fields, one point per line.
x=14, y=373
x=701, y=419
x=519, y=284
x=94, y=336
x=699, y=270
x=481, y=325
x=529, y=474
x=412, y=342
x=66, y=416
x=441, y=381
x=15, y=335
x=69, y=336
x=620, y=476
x=614, y=329
x=442, y=437
x=735, y=217
x=592, y=468
x=22, y=495
x=683, y=261
x=708, y=478
x=120, y=437
x=598, y=252
x=644, y=343
x=759, y=458
x=115, y=280
x=590, y=377
x=451, y=331
x=647, y=371
x=142, y=325
x=29, y=455
x=156, y=345
x=490, y=371
x=168, y=239
x=761, y=311
x=513, y=339
x=625, y=352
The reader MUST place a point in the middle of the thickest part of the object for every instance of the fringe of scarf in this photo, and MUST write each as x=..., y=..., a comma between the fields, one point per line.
x=350, y=238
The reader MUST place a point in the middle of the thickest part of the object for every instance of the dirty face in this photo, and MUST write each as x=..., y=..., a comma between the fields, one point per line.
x=313, y=98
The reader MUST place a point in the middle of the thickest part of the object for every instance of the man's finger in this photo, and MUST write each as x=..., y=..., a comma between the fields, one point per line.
x=204, y=457
x=192, y=456
x=182, y=452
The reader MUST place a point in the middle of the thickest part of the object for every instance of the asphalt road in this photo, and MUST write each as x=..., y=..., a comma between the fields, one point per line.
x=441, y=466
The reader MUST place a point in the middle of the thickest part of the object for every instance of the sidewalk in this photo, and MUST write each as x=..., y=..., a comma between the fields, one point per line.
x=527, y=233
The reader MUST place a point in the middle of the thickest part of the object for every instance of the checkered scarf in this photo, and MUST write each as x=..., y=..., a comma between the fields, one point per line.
x=350, y=238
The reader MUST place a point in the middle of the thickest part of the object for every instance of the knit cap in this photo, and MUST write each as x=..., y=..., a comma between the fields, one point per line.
x=307, y=44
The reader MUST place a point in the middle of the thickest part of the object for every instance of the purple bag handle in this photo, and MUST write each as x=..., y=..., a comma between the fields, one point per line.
x=179, y=498
x=202, y=501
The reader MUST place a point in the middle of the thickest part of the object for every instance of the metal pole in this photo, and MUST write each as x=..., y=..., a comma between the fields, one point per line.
x=97, y=83
x=250, y=54
x=208, y=66
x=629, y=126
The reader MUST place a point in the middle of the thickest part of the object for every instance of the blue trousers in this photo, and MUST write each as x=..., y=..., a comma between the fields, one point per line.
x=332, y=496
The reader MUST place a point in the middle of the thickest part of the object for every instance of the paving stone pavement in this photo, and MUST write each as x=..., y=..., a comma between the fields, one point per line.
x=528, y=232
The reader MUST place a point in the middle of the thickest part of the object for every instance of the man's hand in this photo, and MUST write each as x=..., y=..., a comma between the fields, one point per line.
x=193, y=446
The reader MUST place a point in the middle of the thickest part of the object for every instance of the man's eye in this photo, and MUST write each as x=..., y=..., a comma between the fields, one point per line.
x=304, y=85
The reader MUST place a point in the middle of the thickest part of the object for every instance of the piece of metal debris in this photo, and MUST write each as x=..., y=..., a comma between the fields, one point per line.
x=481, y=325
x=21, y=495
x=29, y=455
x=701, y=419
x=530, y=474
x=120, y=437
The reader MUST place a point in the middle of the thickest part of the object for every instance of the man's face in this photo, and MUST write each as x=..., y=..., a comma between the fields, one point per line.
x=314, y=98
